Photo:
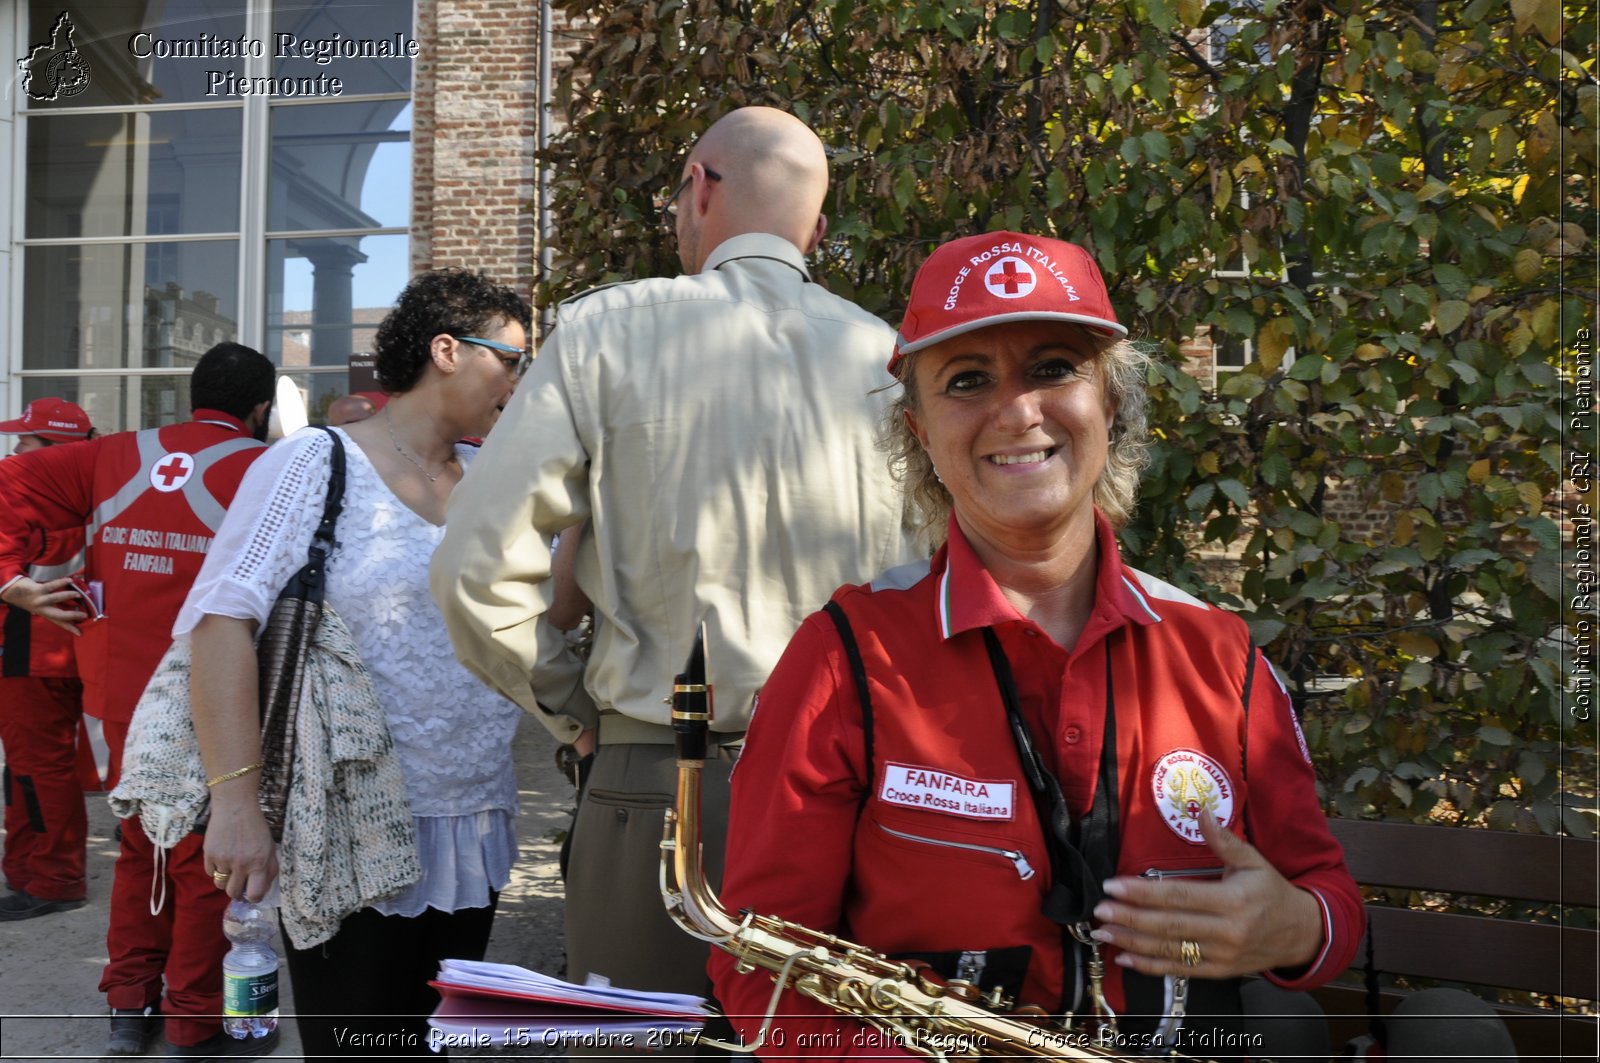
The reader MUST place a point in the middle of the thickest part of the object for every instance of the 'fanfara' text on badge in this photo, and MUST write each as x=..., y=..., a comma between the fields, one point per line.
x=942, y=791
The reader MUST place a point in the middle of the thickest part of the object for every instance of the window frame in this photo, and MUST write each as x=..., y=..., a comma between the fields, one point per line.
x=252, y=236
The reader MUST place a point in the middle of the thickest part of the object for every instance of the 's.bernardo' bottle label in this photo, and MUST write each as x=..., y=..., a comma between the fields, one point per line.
x=250, y=994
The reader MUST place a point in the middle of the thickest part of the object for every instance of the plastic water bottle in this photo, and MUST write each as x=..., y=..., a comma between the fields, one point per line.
x=249, y=972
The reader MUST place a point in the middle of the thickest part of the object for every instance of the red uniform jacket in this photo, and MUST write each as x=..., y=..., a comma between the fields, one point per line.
x=30, y=645
x=152, y=501
x=944, y=853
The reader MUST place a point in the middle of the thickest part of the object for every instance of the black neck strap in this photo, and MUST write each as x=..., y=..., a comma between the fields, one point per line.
x=1083, y=850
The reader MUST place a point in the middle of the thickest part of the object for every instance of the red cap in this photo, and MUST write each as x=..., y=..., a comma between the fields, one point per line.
x=978, y=281
x=54, y=419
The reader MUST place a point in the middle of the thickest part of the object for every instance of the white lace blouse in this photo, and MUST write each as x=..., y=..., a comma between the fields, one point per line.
x=453, y=734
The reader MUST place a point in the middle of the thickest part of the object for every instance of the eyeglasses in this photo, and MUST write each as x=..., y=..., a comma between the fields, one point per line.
x=515, y=366
x=669, y=209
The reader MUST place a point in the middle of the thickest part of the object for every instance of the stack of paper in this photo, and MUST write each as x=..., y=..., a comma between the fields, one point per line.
x=501, y=1005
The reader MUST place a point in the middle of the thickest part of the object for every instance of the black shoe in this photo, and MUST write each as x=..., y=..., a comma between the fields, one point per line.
x=132, y=1030
x=220, y=1046
x=23, y=905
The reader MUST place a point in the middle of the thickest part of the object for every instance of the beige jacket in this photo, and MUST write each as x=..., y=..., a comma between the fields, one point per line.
x=717, y=430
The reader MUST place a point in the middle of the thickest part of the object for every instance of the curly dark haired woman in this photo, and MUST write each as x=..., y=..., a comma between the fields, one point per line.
x=449, y=355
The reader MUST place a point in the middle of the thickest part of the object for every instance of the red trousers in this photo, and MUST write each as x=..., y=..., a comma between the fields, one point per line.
x=115, y=732
x=182, y=942
x=46, y=825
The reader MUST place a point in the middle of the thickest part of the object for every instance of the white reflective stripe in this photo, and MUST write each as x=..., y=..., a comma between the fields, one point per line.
x=1162, y=591
x=45, y=573
x=1276, y=678
x=1139, y=596
x=901, y=577
x=202, y=503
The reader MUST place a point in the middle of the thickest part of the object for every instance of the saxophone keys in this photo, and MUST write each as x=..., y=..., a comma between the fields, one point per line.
x=961, y=989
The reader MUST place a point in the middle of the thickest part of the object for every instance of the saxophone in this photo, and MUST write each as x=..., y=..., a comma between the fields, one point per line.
x=912, y=1009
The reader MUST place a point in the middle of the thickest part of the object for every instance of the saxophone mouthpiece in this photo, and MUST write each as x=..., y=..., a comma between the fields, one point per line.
x=691, y=702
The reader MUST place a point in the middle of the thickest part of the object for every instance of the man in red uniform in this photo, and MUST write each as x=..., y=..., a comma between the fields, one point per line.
x=152, y=501
x=41, y=706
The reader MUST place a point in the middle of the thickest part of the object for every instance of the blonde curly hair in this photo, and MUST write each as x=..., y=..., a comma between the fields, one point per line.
x=1122, y=366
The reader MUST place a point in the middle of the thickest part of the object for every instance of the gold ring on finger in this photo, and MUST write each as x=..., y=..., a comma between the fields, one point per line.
x=220, y=878
x=1189, y=953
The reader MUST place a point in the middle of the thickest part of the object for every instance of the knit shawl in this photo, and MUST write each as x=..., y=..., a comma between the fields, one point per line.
x=348, y=840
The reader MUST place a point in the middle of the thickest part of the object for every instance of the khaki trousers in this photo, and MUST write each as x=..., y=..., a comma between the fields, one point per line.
x=616, y=923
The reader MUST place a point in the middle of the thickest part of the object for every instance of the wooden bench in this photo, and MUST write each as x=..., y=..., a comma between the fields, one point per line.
x=1513, y=954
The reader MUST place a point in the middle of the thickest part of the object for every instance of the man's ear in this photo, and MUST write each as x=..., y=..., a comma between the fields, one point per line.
x=817, y=235
x=259, y=415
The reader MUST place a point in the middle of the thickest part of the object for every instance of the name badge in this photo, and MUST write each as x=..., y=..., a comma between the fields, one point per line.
x=941, y=791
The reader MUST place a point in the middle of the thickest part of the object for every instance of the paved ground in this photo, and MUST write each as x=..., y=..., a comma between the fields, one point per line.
x=50, y=966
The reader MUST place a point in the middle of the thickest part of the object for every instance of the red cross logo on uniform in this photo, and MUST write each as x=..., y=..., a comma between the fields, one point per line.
x=171, y=472
x=1010, y=278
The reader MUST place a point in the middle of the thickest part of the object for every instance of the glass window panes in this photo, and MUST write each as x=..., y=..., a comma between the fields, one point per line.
x=135, y=236
x=1229, y=351
x=112, y=52
x=133, y=305
x=118, y=403
x=133, y=174
x=326, y=295
x=362, y=43
x=340, y=166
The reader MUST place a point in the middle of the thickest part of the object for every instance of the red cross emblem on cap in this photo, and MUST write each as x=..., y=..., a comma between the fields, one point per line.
x=171, y=472
x=1010, y=278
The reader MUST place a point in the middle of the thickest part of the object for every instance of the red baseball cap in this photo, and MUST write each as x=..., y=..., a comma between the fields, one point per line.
x=978, y=281
x=54, y=419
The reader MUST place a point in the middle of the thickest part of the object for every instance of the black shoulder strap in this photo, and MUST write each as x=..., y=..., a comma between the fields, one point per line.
x=308, y=584
x=333, y=504
x=858, y=669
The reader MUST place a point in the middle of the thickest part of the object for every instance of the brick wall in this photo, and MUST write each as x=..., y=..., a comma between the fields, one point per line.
x=1196, y=352
x=475, y=126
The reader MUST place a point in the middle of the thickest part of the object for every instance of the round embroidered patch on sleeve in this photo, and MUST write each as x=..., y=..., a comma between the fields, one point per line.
x=1184, y=782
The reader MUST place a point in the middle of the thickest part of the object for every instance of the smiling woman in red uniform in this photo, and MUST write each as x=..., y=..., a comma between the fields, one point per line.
x=1055, y=757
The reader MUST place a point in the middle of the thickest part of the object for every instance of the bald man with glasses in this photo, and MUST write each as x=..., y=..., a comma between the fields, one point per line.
x=716, y=430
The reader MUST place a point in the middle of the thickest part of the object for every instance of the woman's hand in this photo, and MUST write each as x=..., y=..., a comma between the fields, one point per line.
x=48, y=600
x=240, y=855
x=1252, y=920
